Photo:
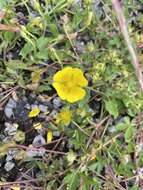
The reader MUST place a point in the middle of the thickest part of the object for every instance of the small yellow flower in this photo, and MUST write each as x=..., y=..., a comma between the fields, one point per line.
x=34, y=112
x=69, y=83
x=64, y=117
x=49, y=136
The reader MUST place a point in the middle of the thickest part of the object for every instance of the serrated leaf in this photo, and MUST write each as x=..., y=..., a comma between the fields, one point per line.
x=42, y=54
x=121, y=126
x=15, y=64
x=71, y=156
x=129, y=133
x=26, y=49
x=72, y=180
x=112, y=107
x=42, y=42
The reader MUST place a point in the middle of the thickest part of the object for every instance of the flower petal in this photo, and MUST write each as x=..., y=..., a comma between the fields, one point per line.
x=76, y=94
x=34, y=112
x=61, y=90
x=78, y=78
x=63, y=75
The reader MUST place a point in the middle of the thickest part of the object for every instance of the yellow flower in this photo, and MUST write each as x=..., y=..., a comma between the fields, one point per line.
x=34, y=112
x=64, y=117
x=49, y=136
x=69, y=83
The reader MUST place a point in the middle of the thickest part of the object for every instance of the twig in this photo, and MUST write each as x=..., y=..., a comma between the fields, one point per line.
x=124, y=30
x=9, y=28
x=2, y=13
x=38, y=149
x=6, y=97
x=95, y=130
x=82, y=130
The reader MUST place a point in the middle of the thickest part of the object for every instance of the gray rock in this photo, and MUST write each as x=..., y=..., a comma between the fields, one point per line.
x=27, y=106
x=24, y=99
x=11, y=103
x=8, y=111
x=43, y=108
x=7, y=139
x=9, y=108
x=41, y=115
x=2, y=137
x=39, y=140
x=112, y=129
x=10, y=129
x=53, y=113
x=34, y=106
x=9, y=166
x=10, y=155
x=33, y=95
x=9, y=158
x=57, y=102
x=6, y=124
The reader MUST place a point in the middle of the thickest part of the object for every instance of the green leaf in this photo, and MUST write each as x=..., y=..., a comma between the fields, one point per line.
x=72, y=180
x=43, y=88
x=42, y=54
x=8, y=36
x=129, y=133
x=135, y=187
x=42, y=42
x=112, y=107
x=71, y=156
x=121, y=126
x=15, y=64
x=26, y=49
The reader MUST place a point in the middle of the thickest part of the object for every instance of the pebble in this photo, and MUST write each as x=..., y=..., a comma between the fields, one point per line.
x=9, y=158
x=80, y=47
x=11, y=103
x=2, y=137
x=27, y=106
x=53, y=113
x=43, y=108
x=41, y=116
x=70, y=145
x=41, y=131
x=57, y=102
x=12, y=152
x=8, y=139
x=112, y=129
x=10, y=129
x=39, y=140
x=8, y=111
x=24, y=99
x=33, y=95
x=9, y=166
x=33, y=106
